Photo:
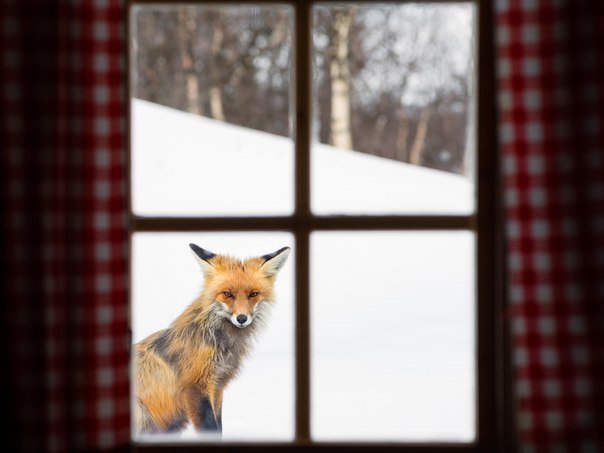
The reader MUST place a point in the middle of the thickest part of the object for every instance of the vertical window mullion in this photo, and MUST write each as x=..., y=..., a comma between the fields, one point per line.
x=303, y=102
x=490, y=391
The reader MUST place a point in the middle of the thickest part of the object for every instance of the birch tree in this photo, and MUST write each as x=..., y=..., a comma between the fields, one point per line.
x=339, y=72
x=185, y=29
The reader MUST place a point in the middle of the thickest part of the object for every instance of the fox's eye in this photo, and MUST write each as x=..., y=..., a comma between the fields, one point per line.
x=254, y=293
x=227, y=294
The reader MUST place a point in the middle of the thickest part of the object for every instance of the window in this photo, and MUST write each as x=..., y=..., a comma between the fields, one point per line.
x=386, y=328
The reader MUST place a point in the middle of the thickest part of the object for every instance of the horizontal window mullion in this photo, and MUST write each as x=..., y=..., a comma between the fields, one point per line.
x=293, y=223
x=408, y=222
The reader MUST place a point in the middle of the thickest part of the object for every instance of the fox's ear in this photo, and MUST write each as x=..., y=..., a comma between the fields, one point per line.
x=273, y=262
x=203, y=257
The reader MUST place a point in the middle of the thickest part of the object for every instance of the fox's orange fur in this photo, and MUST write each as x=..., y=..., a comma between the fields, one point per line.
x=182, y=371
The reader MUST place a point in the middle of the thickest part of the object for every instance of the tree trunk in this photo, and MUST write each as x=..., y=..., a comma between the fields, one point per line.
x=402, y=136
x=186, y=57
x=420, y=137
x=377, y=136
x=339, y=71
x=217, y=72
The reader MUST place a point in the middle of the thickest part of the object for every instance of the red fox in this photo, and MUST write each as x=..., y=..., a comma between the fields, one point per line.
x=182, y=371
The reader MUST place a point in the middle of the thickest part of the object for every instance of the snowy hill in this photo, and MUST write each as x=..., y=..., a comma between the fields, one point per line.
x=185, y=164
x=392, y=313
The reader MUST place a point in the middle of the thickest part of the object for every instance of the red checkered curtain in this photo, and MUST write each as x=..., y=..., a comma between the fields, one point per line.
x=551, y=109
x=63, y=163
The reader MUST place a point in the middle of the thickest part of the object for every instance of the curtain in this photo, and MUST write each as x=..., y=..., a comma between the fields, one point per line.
x=64, y=229
x=64, y=232
x=551, y=133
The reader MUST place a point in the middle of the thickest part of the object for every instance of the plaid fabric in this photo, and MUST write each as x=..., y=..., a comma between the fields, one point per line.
x=63, y=189
x=64, y=232
x=551, y=81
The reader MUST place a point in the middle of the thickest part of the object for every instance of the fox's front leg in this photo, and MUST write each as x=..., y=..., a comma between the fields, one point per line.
x=217, y=407
x=200, y=411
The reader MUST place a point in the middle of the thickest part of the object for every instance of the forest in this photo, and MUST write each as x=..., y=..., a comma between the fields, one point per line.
x=394, y=81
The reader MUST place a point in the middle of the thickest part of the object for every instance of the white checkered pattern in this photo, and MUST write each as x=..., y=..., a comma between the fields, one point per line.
x=551, y=80
x=63, y=179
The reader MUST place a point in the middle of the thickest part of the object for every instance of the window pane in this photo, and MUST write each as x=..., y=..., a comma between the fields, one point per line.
x=393, y=109
x=259, y=403
x=393, y=336
x=211, y=110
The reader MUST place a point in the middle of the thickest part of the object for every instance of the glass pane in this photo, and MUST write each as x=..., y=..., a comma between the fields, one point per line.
x=393, y=128
x=210, y=106
x=259, y=402
x=393, y=336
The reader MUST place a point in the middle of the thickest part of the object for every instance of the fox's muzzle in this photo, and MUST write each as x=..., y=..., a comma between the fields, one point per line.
x=241, y=320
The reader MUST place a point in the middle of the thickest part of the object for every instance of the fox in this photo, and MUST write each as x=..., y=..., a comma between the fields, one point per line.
x=183, y=370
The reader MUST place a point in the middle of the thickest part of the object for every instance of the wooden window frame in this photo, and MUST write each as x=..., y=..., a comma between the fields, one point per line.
x=494, y=432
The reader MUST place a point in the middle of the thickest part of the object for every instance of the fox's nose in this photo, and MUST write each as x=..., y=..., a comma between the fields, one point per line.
x=241, y=319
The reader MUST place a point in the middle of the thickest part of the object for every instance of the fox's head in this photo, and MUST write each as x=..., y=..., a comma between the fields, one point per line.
x=240, y=289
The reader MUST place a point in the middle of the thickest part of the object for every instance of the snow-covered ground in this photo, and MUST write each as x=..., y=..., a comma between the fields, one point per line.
x=184, y=164
x=392, y=313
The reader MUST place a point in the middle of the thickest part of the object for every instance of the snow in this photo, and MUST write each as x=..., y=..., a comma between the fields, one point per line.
x=392, y=313
x=392, y=317
x=184, y=164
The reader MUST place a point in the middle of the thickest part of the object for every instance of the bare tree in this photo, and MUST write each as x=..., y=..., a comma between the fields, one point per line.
x=217, y=67
x=229, y=63
x=420, y=137
x=185, y=27
x=339, y=72
x=389, y=80
x=408, y=71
